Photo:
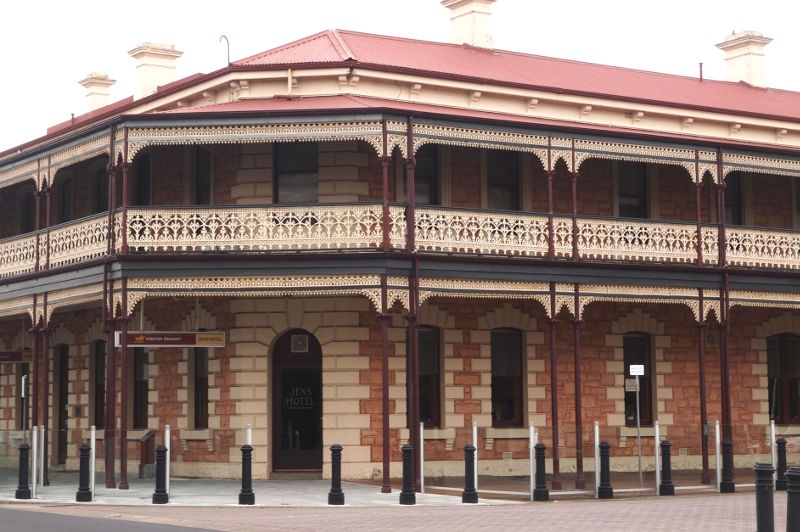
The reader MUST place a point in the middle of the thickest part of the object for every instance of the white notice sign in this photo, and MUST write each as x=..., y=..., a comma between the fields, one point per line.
x=637, y=369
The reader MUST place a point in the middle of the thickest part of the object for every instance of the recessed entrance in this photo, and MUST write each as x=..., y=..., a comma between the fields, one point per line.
x=297, y=402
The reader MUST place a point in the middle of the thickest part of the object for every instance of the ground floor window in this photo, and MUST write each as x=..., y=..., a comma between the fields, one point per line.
x=429, y=377
x=637, y=352
x=99, y=383
x=200, y=387
x=506, y=378
x=140, y=388
x=783, y=361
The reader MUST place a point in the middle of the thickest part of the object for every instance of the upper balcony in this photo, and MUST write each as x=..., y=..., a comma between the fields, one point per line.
x=360, y=227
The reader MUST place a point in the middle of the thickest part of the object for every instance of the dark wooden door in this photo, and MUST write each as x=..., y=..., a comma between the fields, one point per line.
x=297, y=402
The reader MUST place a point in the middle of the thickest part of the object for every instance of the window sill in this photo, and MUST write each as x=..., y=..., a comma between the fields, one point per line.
x=206, y=435
x=647, y=432
x=505, y=433
x=448, y=435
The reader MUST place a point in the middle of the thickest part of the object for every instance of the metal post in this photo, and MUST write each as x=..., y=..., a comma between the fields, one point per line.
x=656, y=440
x=92, y=457
x=541, y=492
x=475, y=444
x=717, y=447
x=727, y=485
x=407, y=495
x=765, y=518
x=161, y=495
x=249, y=437
x=470, y=494
x=793, y=499
x=639, y=432
x=666, y=487
x=336, y=495
x=34, y=448
x=23, y=488
x=167, y=445
x=84, y=493
x=422, y=457
x=773, y=446
x=605, y=490
x=780, y=481
x=42, y=452
x=531, y=443
x=596, y=459
x=246, y=495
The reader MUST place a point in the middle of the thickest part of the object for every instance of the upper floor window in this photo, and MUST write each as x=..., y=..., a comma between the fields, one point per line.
x=426, y=176
x=140, y=180
x=502, y=180
x=27, y=217
x=296, y=172
x=101, y=191
x=734, y=212
x=632, y=189
x=201, y=187
x=506, y=378
x=783, y=368
x=430, y=406
x=64, y=201
x=636, y=351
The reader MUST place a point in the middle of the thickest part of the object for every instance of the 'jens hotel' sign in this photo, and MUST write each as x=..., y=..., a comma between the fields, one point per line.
x=172, y=339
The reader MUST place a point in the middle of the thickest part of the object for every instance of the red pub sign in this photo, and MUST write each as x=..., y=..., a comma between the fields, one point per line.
x=172, y=339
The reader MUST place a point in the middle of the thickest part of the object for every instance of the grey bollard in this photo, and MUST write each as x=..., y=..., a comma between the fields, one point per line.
x=604, y=490
x=23, y=487
x=336, y=495
x=780, y=480
x=666, y=487
x=540, y=491
x=407, y=496
x=765, y=513
x=793, y=500
x=727, y=485
x=470, y=494
x=160, y=496
x=246, y=495
x=84, y=493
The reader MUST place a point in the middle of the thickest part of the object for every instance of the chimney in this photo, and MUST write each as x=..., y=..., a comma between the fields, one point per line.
x=744, y=57
x=155, y=66
x=471, y=22
x=97, y=89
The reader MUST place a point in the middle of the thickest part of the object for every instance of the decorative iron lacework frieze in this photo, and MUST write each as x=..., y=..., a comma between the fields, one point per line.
x=73, y=296
x=282, y=286
x=646, y=153
x=141, y=137
x=75, y=153
x=396, y=137
x=18, y=305
x=643, y=294
x=484, y=289
x=24, y=171
x=481, y=138
x=759, y=164
x=751, y=298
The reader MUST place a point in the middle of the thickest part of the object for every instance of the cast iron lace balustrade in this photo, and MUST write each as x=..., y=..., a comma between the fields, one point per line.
x=762, y=248
x=77, y=241
x=636, y=240
x=17, y=255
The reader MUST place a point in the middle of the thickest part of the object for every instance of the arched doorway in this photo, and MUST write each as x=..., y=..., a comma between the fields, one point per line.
x=297, y=402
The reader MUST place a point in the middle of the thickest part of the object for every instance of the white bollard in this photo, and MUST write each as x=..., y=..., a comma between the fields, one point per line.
x=34, y=461
x=249, y=437
x=422, y=457
x=42, y=450
x=657, y=446
x=167, y=445
x=475, y=444
x=531, y=457
x=718, y=455
x=92, y=457
x=596, y=459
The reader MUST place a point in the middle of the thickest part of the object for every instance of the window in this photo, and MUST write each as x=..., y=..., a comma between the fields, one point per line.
x=296, y=172
x=502, y=180
x=429, y=377
x=783, y=366
x=506, y=378
x=140, y=180
x=99, y=384
x=636, y=347
x=28, y=212
x=426, y=176
x=23, y=395
x=733, y=199
x=632, y=187
x=201, y=188
x=101, y=191
x=200, y=387
x=140, y=388
x=63, y=201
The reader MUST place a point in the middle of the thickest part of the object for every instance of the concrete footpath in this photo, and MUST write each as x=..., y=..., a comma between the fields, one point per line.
x=212, y=504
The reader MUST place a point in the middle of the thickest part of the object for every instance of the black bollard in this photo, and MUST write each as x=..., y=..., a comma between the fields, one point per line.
x=540, y=491
x=246, y=496
x=793, y=499
x=470, y=494
x=160, y=496
x=336, y=495
x=605, y=491
x=666, y=487
x=23, y=487
x=84, y=493
x=727, y=485
x=407, y=496
x=765, y=518
x=780, y=481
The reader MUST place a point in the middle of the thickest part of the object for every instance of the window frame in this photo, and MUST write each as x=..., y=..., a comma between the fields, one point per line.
x=503, y=175
x=289, y=167
x=646, y=382
x=502, y=383
x=429, y=386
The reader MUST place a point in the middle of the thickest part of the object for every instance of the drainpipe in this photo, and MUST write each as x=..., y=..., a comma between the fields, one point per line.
x=574, y=205
x=385, y=220
x=123, y=416
x=36, y=369
x=111, y=394
x=384, y=317
x=698, y=201
x=725, y=306
x=705, y=476
x=556, y=480
x=45, y=389
x=125, y=168
x=551, y=237
x=48, y=219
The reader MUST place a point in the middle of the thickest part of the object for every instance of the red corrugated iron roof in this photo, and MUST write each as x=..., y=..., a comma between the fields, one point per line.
x=527, y=70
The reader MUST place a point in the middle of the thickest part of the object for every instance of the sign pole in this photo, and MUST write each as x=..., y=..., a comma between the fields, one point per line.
x=639, y=431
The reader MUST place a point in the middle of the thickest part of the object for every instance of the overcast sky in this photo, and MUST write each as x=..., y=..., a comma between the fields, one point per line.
x=47, y=46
